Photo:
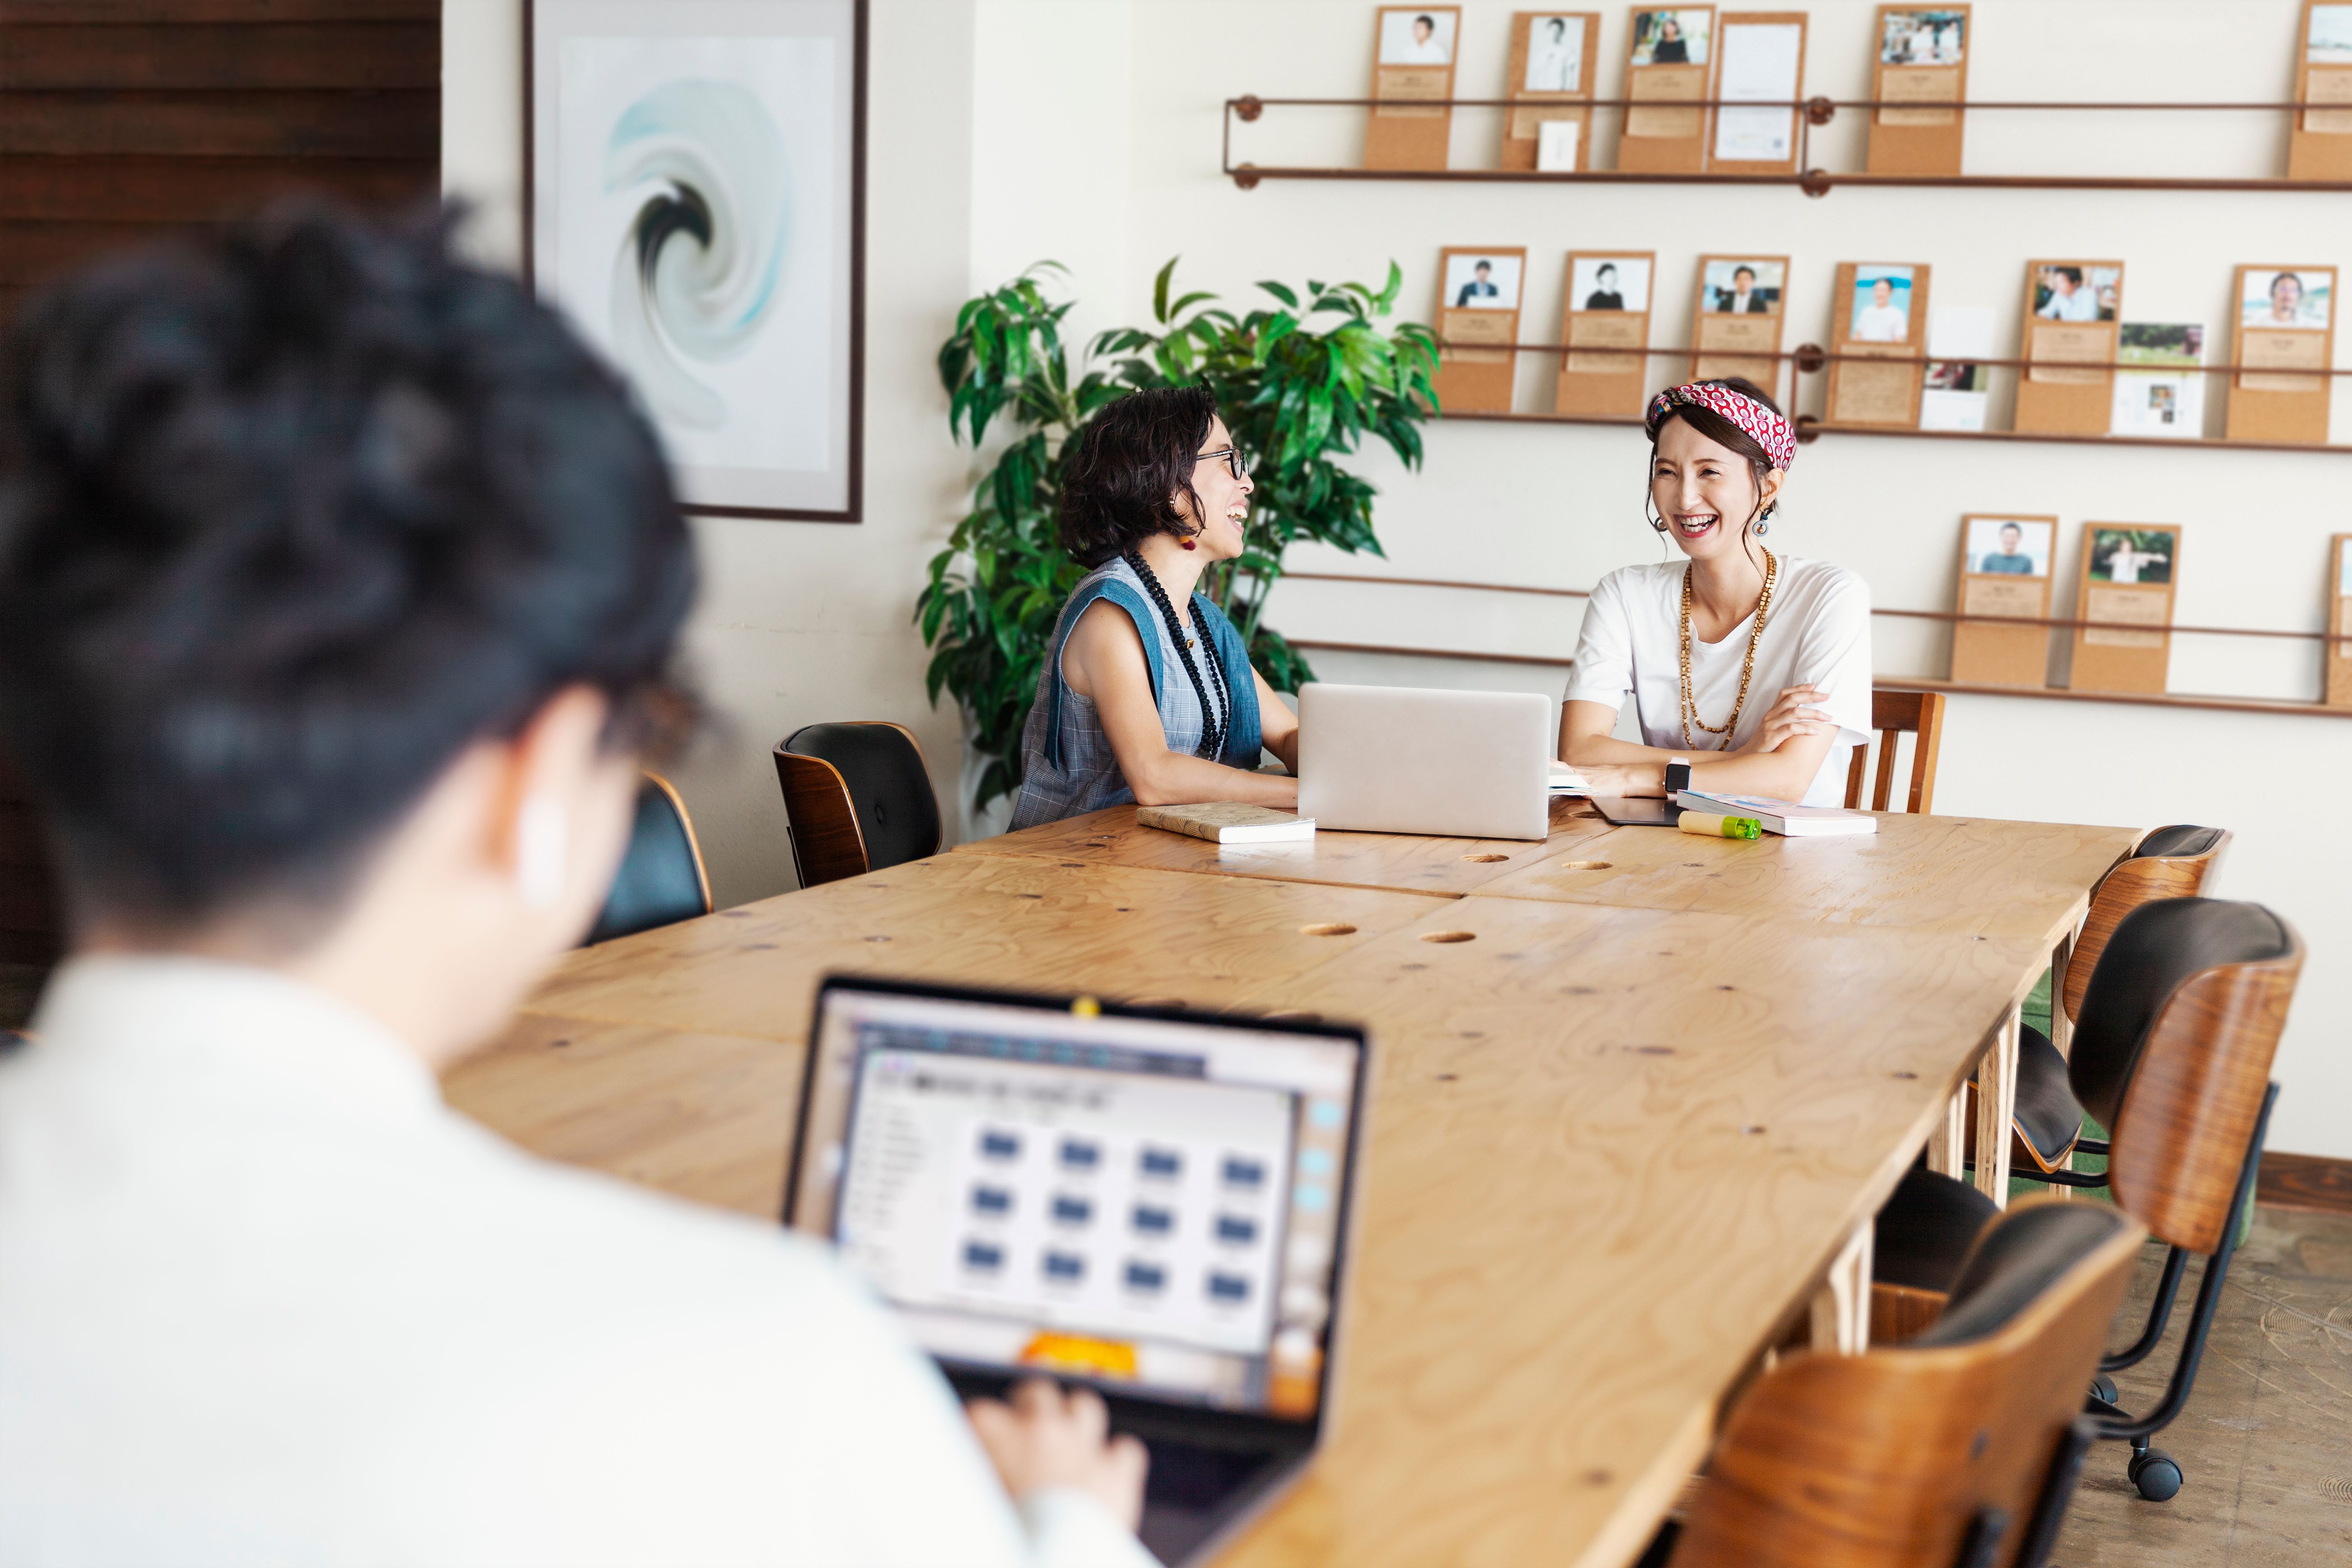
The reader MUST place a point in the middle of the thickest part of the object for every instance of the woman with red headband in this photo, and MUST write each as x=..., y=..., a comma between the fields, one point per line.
x=1752, y=667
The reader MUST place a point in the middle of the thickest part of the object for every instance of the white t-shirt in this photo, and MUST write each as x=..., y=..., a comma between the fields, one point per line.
x=1881, y=324
x=1817, y=635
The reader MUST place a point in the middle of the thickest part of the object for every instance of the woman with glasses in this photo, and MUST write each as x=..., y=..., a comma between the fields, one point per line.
x=1139, y=701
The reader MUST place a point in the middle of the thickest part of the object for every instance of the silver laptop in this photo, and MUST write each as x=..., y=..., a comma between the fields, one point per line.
x=1153, y=1204
x=1458, y=765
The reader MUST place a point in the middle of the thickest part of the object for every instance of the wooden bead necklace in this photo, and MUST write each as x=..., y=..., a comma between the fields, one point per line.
x=1747, y=670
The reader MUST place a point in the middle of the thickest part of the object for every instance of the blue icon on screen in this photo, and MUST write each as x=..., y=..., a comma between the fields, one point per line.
x=985, y=1257
x=1067, y=1266
x=1069, y=1210
x=1000, y=1145
x=1314, y=1163
x=1311, y=1196
x=1235, y=1230
x=1326, y=1113
x=991, y=1200
x=1145, y=1276
x=1152, y=1221
x=1080, y=1154
x=1229, y=1288
x=1241, y=1172
x=1163, y=1163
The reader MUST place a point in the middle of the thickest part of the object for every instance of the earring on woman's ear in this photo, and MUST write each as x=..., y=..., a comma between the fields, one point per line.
x=1188, y=543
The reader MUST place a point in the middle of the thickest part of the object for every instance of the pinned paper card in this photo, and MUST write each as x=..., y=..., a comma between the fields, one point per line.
x=2167, y=400
x=2285, y=323
x=1956, y=397
x=2128, y=577
x=1760, y=61
x=2005, y=573
x=1555, y=146
x=1550, y=81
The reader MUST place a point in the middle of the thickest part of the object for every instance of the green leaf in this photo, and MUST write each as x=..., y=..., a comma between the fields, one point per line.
x=1159, y=291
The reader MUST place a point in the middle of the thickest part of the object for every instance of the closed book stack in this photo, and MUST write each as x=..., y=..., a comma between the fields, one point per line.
x=1227, y=822
x=1785, y=817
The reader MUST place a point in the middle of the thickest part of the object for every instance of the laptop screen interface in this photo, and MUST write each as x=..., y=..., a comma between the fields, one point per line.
x=1143, y=1203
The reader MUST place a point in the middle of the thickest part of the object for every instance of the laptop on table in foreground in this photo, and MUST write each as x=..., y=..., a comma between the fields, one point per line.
x=1151, y=1203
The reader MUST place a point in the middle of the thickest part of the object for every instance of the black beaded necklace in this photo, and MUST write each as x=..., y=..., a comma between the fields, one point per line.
x=1213, y=719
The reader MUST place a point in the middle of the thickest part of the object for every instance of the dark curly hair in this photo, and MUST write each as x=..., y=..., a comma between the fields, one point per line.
x=1132, y=462
x=296, y=512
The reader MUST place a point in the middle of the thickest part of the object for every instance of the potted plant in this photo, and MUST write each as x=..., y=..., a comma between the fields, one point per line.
x=1300, y=393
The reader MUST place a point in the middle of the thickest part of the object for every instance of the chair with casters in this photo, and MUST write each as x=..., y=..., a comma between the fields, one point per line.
x=1894, y=714
x=661, y=879
x=1959, y=1448
x=2046, y=1127
x=2179, y=1023
x=858, y=799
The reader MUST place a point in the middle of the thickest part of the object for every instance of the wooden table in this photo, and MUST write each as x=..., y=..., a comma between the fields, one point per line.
x=1613, y=1149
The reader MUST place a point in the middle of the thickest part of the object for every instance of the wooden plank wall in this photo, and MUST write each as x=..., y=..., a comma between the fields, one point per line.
x=122, y=120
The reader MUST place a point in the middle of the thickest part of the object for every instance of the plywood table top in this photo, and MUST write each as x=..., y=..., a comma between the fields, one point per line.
x=1400, y=862
x=1609, y=1153
x=641, y=1056
x=1970, y=876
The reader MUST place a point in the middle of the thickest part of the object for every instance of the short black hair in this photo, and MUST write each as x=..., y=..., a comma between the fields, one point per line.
x=2072, y=274
x=1119, y=486
x=1743, y=266
x=1609, y=267
x=296, y=512
x=1483, y=266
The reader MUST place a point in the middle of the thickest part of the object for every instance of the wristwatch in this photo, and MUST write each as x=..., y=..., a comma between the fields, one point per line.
x=1677, y=777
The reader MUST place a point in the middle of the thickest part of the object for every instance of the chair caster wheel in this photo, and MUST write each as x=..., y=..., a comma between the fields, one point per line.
x=2103, y=1388
x=2157, y=1474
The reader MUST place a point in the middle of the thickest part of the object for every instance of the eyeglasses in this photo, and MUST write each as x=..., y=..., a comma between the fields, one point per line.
x=1233, y=456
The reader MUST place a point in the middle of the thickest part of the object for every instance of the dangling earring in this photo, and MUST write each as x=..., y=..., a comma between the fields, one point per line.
x=1764, y=522
x=1188, y=544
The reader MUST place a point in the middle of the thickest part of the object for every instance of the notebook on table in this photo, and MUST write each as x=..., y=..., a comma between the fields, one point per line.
x=1153, y=1204
x=1782, y=817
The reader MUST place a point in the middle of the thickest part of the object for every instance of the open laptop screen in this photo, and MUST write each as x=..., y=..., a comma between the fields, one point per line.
x=1151, y=1203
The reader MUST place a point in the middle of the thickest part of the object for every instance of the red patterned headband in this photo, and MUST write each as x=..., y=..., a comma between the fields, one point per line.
x=1771, y=431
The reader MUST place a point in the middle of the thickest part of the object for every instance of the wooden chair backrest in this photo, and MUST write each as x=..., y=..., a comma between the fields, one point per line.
x=1895, y=714
x=1885, y=1460
x=2179, y=1139
x=2128, y=884
x=828, y=841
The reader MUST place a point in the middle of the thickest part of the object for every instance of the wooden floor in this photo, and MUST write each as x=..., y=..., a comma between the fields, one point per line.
x=2266, y=1442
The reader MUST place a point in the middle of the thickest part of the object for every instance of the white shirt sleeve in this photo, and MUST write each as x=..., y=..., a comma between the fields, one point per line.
x=1605, y=649
x=1834, y=654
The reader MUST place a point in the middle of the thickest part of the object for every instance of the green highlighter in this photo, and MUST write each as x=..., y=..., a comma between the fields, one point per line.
x=1707, y=825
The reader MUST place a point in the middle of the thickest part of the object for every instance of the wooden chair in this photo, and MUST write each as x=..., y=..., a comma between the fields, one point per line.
x=1960, y=1448
x=661, y=879
x=2180, y=1022
x=1895, y=714
x=858, y=798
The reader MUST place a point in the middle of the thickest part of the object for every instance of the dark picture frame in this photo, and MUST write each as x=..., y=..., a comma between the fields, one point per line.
x=728, y=491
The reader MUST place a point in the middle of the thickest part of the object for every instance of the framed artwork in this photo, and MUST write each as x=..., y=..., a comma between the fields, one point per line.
x=1878, y=314
x=2320, y=145
x=1669, y=58
x=2129, y=575
x=1759, y=61
x=1553, y=65
x=1921, y=57
x=2070, y=337
x=1737, y=317
x=2165, y=399
x=1478, y=319
x=1413, y=50
x=2285, y=322
x=1606, y=312
x=694, y=199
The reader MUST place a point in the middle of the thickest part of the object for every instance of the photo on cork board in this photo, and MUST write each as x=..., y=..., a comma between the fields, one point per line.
x=1744, y=288
x=2296, y=298
x=2077, y=291
x=1477, y=282
x=2138, y=555
x=1555, y=53
x=2018, y=547
x=1411, y=38
x=2330, y=43
x=1673, y=37
x=1930, y=38
x=1610, y=283
x=2344, y=574
x=1881, y=306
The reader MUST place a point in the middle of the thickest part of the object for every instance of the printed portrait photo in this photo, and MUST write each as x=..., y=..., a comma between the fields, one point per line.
x=1671, y=38
x=2131, y=555
x=2344, y=574
x=1476, y=283
x=1922, y=37
x=1744, y=288
x=2077, y=291
x=1882, y=305
x=2298, y=298
x=2010, y=546
x=1411, y=38
x=1555, y=55
x=2331, y=37
x=1610, y=283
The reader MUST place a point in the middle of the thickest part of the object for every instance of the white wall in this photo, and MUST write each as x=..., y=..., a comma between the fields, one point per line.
x=1087, y=130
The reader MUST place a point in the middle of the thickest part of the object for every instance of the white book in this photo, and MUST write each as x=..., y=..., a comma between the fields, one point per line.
x=1566, y=780
x=1227, y=822
x=1782, y=817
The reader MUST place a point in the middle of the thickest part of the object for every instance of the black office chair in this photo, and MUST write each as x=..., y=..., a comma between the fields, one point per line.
x=661, y=881
x=1959, y=1448
x=858, y=798
x=2172, y=1053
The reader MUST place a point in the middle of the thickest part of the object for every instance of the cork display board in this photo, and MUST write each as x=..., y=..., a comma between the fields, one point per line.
x=1920, y=55
x=1413, y=51
x=1605, y=318
x=2319, y=147
x=2071, y=315
x=1555, y=58
x=1478, y=294
x=2004, y=571
x=1760, y=56
x=1737, y=316
x=2285, y=321
x=1669, y=60
x=2337, y=690
x=1878, y=310
x=2126, y=582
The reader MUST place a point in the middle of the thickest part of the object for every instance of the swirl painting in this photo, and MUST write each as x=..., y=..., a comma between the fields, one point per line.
x=694, y=211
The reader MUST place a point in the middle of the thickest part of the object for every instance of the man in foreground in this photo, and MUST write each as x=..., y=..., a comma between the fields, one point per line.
x=337, y=589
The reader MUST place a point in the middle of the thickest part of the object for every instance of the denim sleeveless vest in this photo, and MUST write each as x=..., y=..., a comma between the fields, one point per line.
x=1068, y=765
